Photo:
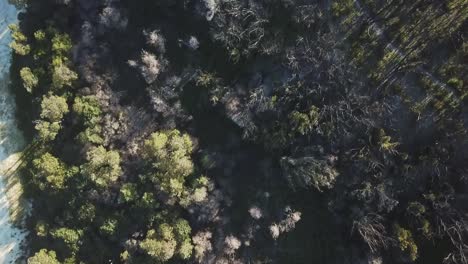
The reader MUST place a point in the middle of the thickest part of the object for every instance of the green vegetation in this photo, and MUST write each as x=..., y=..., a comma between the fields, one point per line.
x=167, y=240
x=44, y=257
x=304, y=123
x=19, y=44
x=405, y=239
x=244, y=131
x=88, y=108
x=30, y=81
x=49, y=172
x=103, y=167
x=53, y=108
x=169, y=155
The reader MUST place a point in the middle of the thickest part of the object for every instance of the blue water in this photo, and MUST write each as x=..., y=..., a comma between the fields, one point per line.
x=8, y=14
x=11, y=141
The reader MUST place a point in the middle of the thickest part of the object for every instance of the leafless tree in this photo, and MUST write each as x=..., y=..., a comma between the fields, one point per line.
x=372, y=230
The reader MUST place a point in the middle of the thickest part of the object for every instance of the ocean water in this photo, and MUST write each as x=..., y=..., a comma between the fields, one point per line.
x=11, y=141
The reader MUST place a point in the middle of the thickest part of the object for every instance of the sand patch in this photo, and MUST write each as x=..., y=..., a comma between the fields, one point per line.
x=18, y=206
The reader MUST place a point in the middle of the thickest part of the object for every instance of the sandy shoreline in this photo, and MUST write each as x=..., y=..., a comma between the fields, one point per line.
x=18, y=206
x=13, y=211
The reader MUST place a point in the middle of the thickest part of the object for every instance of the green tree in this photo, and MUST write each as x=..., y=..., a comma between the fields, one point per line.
x=87, y=212
x=47, y=130
x=40, y=35
x=41, y=228
x=148, y=201
x=406, y=241
x=63, y=76
x=91, y=135
x=385, y=142
x=303, y=123
x=53, y=108
x=168, y=240
x=182, y=228
x=185, y=249
x=103, y=166
x=30, y=81
x=416, y=209
x=182, y=232
x=44, y=257
x=61, y=44
x=19, y=43
x=41, y=52
x=69, y=236
x=49, y=172
x=88, y=108
x=129, y=192
x=160, y=244
x=109, y=227
x=169, y=154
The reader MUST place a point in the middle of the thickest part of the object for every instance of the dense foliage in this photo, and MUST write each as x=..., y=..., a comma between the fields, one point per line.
x=244, y=131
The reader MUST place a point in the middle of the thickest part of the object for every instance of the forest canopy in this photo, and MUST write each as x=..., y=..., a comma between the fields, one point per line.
x=244, y=131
